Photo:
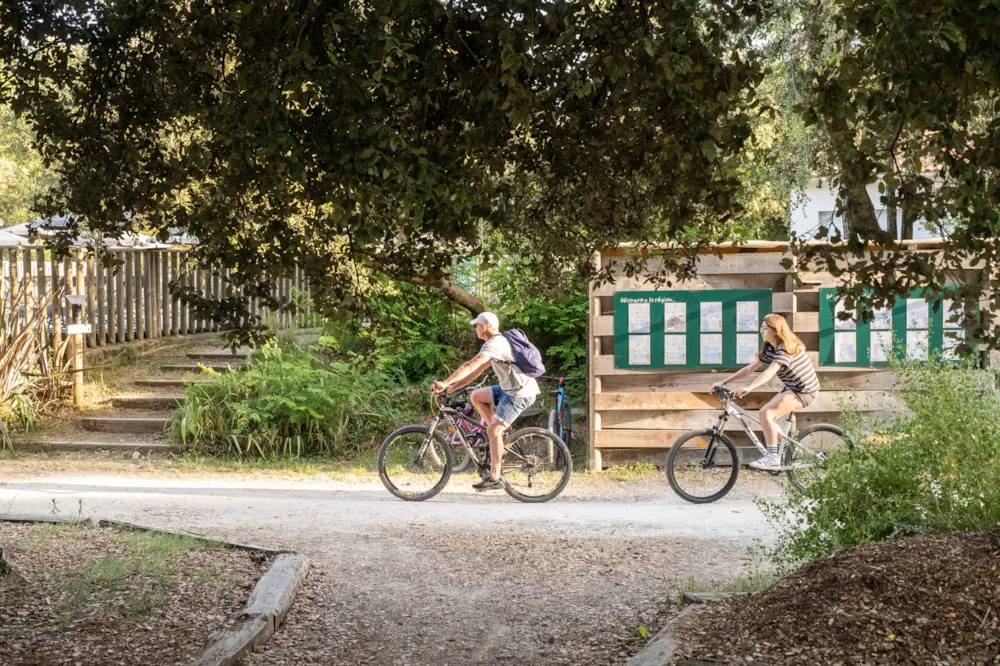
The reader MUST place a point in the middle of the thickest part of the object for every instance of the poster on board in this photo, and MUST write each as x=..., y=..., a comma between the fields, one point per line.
x=711, y=349
x=746, y=316
x=674, y=350
x=638, y=350
x=916, y=343
x=950, y=343
x=638, y=318
x=881, y=320
x=843, y=324
x=881, y=346
x=746, y=347
x=845, y=347
x=675, y=317
x=711, y=316
x=952, y=318
x=916, y=313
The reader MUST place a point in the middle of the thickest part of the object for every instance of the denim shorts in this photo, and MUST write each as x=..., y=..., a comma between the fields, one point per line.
x=508, y=408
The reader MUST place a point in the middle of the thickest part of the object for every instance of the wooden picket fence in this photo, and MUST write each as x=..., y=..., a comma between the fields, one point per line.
x=131, y=300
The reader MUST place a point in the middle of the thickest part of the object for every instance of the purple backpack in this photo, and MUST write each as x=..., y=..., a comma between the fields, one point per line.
x=527, y=358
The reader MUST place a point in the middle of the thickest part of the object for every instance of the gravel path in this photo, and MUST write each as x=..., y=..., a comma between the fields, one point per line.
x=462, y=579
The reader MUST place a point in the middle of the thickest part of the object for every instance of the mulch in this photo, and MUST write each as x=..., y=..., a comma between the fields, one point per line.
x=923, y=599
x=204, y=590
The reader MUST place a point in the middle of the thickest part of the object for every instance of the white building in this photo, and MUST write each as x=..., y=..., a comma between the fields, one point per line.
x=816, y=206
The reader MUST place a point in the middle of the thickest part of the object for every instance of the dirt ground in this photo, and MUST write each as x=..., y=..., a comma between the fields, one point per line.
x=89, y=595
x=920, y=600
x=463, y=579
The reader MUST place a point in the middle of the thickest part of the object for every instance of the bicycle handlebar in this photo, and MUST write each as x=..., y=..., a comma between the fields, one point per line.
x=723, y=394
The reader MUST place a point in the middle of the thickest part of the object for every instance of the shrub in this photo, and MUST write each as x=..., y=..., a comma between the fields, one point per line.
x=934, y=466
x=23, y=356
x=287, y=402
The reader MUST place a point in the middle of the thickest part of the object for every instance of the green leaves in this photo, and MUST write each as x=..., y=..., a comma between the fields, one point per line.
x=391, y=136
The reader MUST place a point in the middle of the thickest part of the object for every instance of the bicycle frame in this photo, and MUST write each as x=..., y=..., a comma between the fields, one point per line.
x=460, y=422
x=730, y=409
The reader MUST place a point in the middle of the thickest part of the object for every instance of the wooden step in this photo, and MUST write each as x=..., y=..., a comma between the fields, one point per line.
x=118, y=424
x=217, y=356
x=200, y=367
x=173, y=383
x=148, y=401
x=95, y=447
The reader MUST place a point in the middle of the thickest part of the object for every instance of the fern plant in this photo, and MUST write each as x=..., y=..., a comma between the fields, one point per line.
x=287, y=402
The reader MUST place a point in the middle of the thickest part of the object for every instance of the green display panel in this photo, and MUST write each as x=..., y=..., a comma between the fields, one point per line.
x=689, y=329
x=914, y=328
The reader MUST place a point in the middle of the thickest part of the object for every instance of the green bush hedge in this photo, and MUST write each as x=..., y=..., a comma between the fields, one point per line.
x=287, y=402
x=935, y=466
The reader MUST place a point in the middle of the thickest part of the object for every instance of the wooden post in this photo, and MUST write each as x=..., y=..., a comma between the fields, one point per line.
x=165, y=293
x=174, y=315
x=30, y=297
x=14, y=286
x=42, y=291
x=100, y=294
x=91, y=302
x=120, y=301
x=57, y=317
x=594, y=462
x=147, y=294
x=75, y=284
x=183, y=282
x=129, y=297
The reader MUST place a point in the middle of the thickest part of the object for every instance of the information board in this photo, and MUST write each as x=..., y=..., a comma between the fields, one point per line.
x=717, y=328
x=915, y=328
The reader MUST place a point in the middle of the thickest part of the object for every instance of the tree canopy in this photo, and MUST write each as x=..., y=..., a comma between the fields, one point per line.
x=385, y=135
x=395, y=137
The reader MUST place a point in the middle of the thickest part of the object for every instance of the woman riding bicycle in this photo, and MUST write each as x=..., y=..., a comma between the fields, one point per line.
x=786, y=357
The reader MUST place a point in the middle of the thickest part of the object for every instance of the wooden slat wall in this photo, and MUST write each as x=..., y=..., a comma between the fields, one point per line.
x=638, y=413
x=130, y=299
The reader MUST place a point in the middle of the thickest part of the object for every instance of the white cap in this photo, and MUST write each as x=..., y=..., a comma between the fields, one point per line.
x=487, y=319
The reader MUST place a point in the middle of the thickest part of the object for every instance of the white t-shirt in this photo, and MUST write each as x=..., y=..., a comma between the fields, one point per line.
x=512, y=381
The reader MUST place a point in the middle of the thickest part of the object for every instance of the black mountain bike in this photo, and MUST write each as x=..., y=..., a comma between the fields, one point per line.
x=561, y=418
x=416, y=461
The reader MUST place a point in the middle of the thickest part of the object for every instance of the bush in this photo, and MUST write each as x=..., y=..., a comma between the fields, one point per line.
x=287, y=402
x=934, y=466
x=558, y=327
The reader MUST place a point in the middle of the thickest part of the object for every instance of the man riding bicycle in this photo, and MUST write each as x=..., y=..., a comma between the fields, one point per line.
x=499, y=406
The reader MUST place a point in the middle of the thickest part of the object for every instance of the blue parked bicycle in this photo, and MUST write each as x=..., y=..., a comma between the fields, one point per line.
x=561, y=418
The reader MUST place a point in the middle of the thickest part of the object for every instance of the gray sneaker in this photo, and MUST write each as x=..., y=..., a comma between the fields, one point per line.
x=768, y=462
x=489, y=483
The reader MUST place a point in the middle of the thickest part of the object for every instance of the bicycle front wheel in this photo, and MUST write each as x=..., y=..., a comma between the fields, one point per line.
x=536, y=466
x=816, y=444
x=702, y=466
x=567, y=426
x=412, y=465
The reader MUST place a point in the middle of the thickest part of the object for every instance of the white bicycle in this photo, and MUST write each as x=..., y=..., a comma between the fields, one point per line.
x=703, y=465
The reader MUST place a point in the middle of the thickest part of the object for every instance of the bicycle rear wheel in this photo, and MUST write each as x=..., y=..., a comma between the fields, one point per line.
x=818, y=442
x=460, y=457
x=413, y=466
x=537, y=465
x=702, y=466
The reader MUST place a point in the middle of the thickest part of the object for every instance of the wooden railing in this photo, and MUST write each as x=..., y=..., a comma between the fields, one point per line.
x=131, y=300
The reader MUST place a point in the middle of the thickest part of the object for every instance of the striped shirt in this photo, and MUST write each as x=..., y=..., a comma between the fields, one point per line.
x=797, y=372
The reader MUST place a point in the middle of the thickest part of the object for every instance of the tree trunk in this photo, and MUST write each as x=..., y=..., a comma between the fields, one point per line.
x=908, y=219
x=451, y=291
x=890, y=212
x=859, y=211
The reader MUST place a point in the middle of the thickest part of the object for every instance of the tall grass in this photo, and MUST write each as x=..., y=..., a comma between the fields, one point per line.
x=24, y=379
x=287, y=402
x=934, y=466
